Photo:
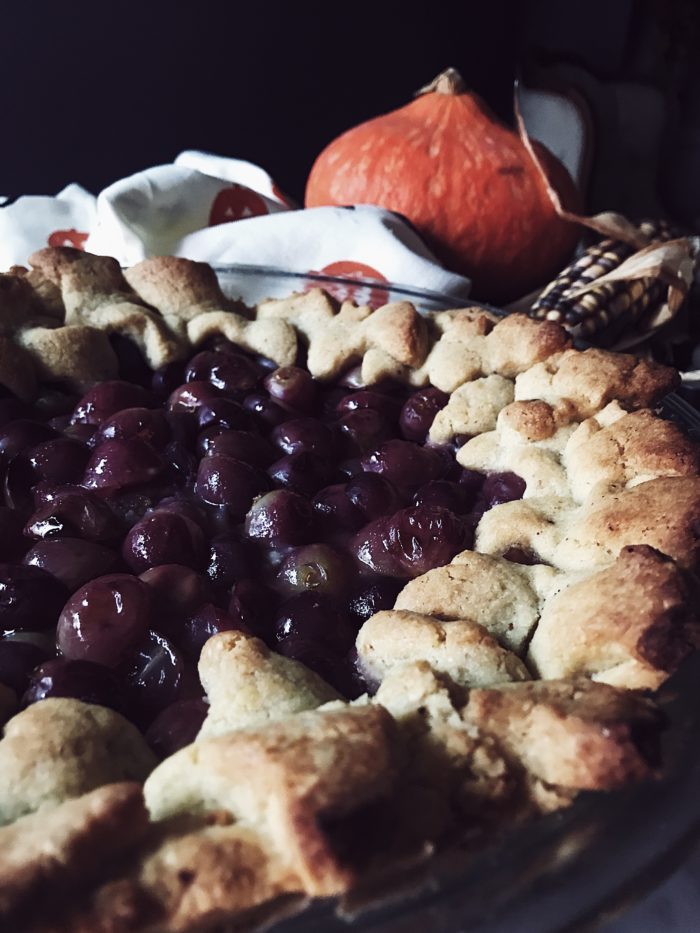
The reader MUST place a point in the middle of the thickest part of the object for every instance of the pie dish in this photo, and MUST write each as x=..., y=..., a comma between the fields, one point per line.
x=425, y=570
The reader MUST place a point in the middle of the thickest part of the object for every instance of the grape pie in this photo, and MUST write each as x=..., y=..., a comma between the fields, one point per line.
x=293, y=595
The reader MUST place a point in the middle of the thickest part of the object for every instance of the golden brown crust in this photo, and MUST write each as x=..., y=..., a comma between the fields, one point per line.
x=249, y=685
x=533, y=421
x=74, y=355
x=62, y=748
x=463, y=649
x=65, y=846
x=316, y=765
x=629, y=625
x=588, y=380
x=577, y=734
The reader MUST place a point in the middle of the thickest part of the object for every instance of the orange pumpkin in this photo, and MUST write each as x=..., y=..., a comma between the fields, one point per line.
x=464, y=179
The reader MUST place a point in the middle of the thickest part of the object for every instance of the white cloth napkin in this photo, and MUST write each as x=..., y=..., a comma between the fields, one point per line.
x=223, y=211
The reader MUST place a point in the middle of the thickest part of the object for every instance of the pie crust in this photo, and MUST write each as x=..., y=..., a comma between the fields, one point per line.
x=502, y=689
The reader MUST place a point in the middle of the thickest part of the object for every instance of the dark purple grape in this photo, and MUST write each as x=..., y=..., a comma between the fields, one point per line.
x=152, y=676
x=251, y=606
x=105, y=620
x=362, y=430
x=186, y=505
x=148, y=424
x=207, y=621
x=266, y=412
x=312, y=622
x=11, y=409
x=418, y=413
x=222, y=480
x=77, y=679
x=188, y=397
x=301, y=472
x=328, y=397
x=369, y=400
x=164, y=538
x=519, y=555
x=132, y=365
x=18, y=436
x=373, y=597
x=85, y=433
x=74, y=513
x=180, y=464
x=121, y=463
x=410, y=542
x=444, y=495
x=17, y=660
x=405, y=464
x=335, y=511
x=229, y=560
x=106, y=399
x=501, y=487
x=176, y=726
x=224, y=414
x=131, y=505
x=176, y=592
x=30, y=599
x=72, y=561
x=241, y=445
x=472, y=481
x=13, y=544
x=292, y=388
x=166, y=379
x=183, y=427
x=373, y=495
x=315, y=568
x=57, y=461
x=229, y=371
x=280, y=517
x=303, y=435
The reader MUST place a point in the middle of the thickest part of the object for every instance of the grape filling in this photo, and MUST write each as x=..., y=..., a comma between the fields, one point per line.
x=220, y=493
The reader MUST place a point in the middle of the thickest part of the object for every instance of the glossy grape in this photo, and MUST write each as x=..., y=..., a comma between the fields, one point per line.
x=106, y=399
x=221, y=480
x=176, y=726
x=72, y=561
x=501, y=487
x=373, y=495
x=164, y=538
x=334, y=510
x=280, y=517
x=315, y=568
x=230, y=372
x=292, y=388
x=370, y=400
x=229, y=560
x=152, y=676
x=30, y=598
x=176, y=592
x=241, y=445
x=405, y=464
x=444, y=494
x=188, y=397
x=303, y=435
x=105, y=620
x=77, y=679
x=373, y=597
x=225, y=414
x=418, y=413
x=410, y=542
x=205, y=622
x=13, y=544
x=17, y=660
x=148, y=424
x=18, y=436
x=74, y=513
x=267, y=413
x=121, y=463
x=301, y=472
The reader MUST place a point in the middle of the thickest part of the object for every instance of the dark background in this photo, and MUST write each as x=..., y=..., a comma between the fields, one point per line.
x=91, y=92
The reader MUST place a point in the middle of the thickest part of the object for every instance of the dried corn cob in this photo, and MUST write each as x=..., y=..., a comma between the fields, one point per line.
x=604, y=311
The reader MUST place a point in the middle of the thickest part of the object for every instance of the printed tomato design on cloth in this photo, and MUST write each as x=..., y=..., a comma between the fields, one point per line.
x=67, y=238
x=374, y=296
x=236, y=203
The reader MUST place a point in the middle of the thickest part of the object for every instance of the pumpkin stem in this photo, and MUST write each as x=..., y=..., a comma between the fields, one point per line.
x=449, y=81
